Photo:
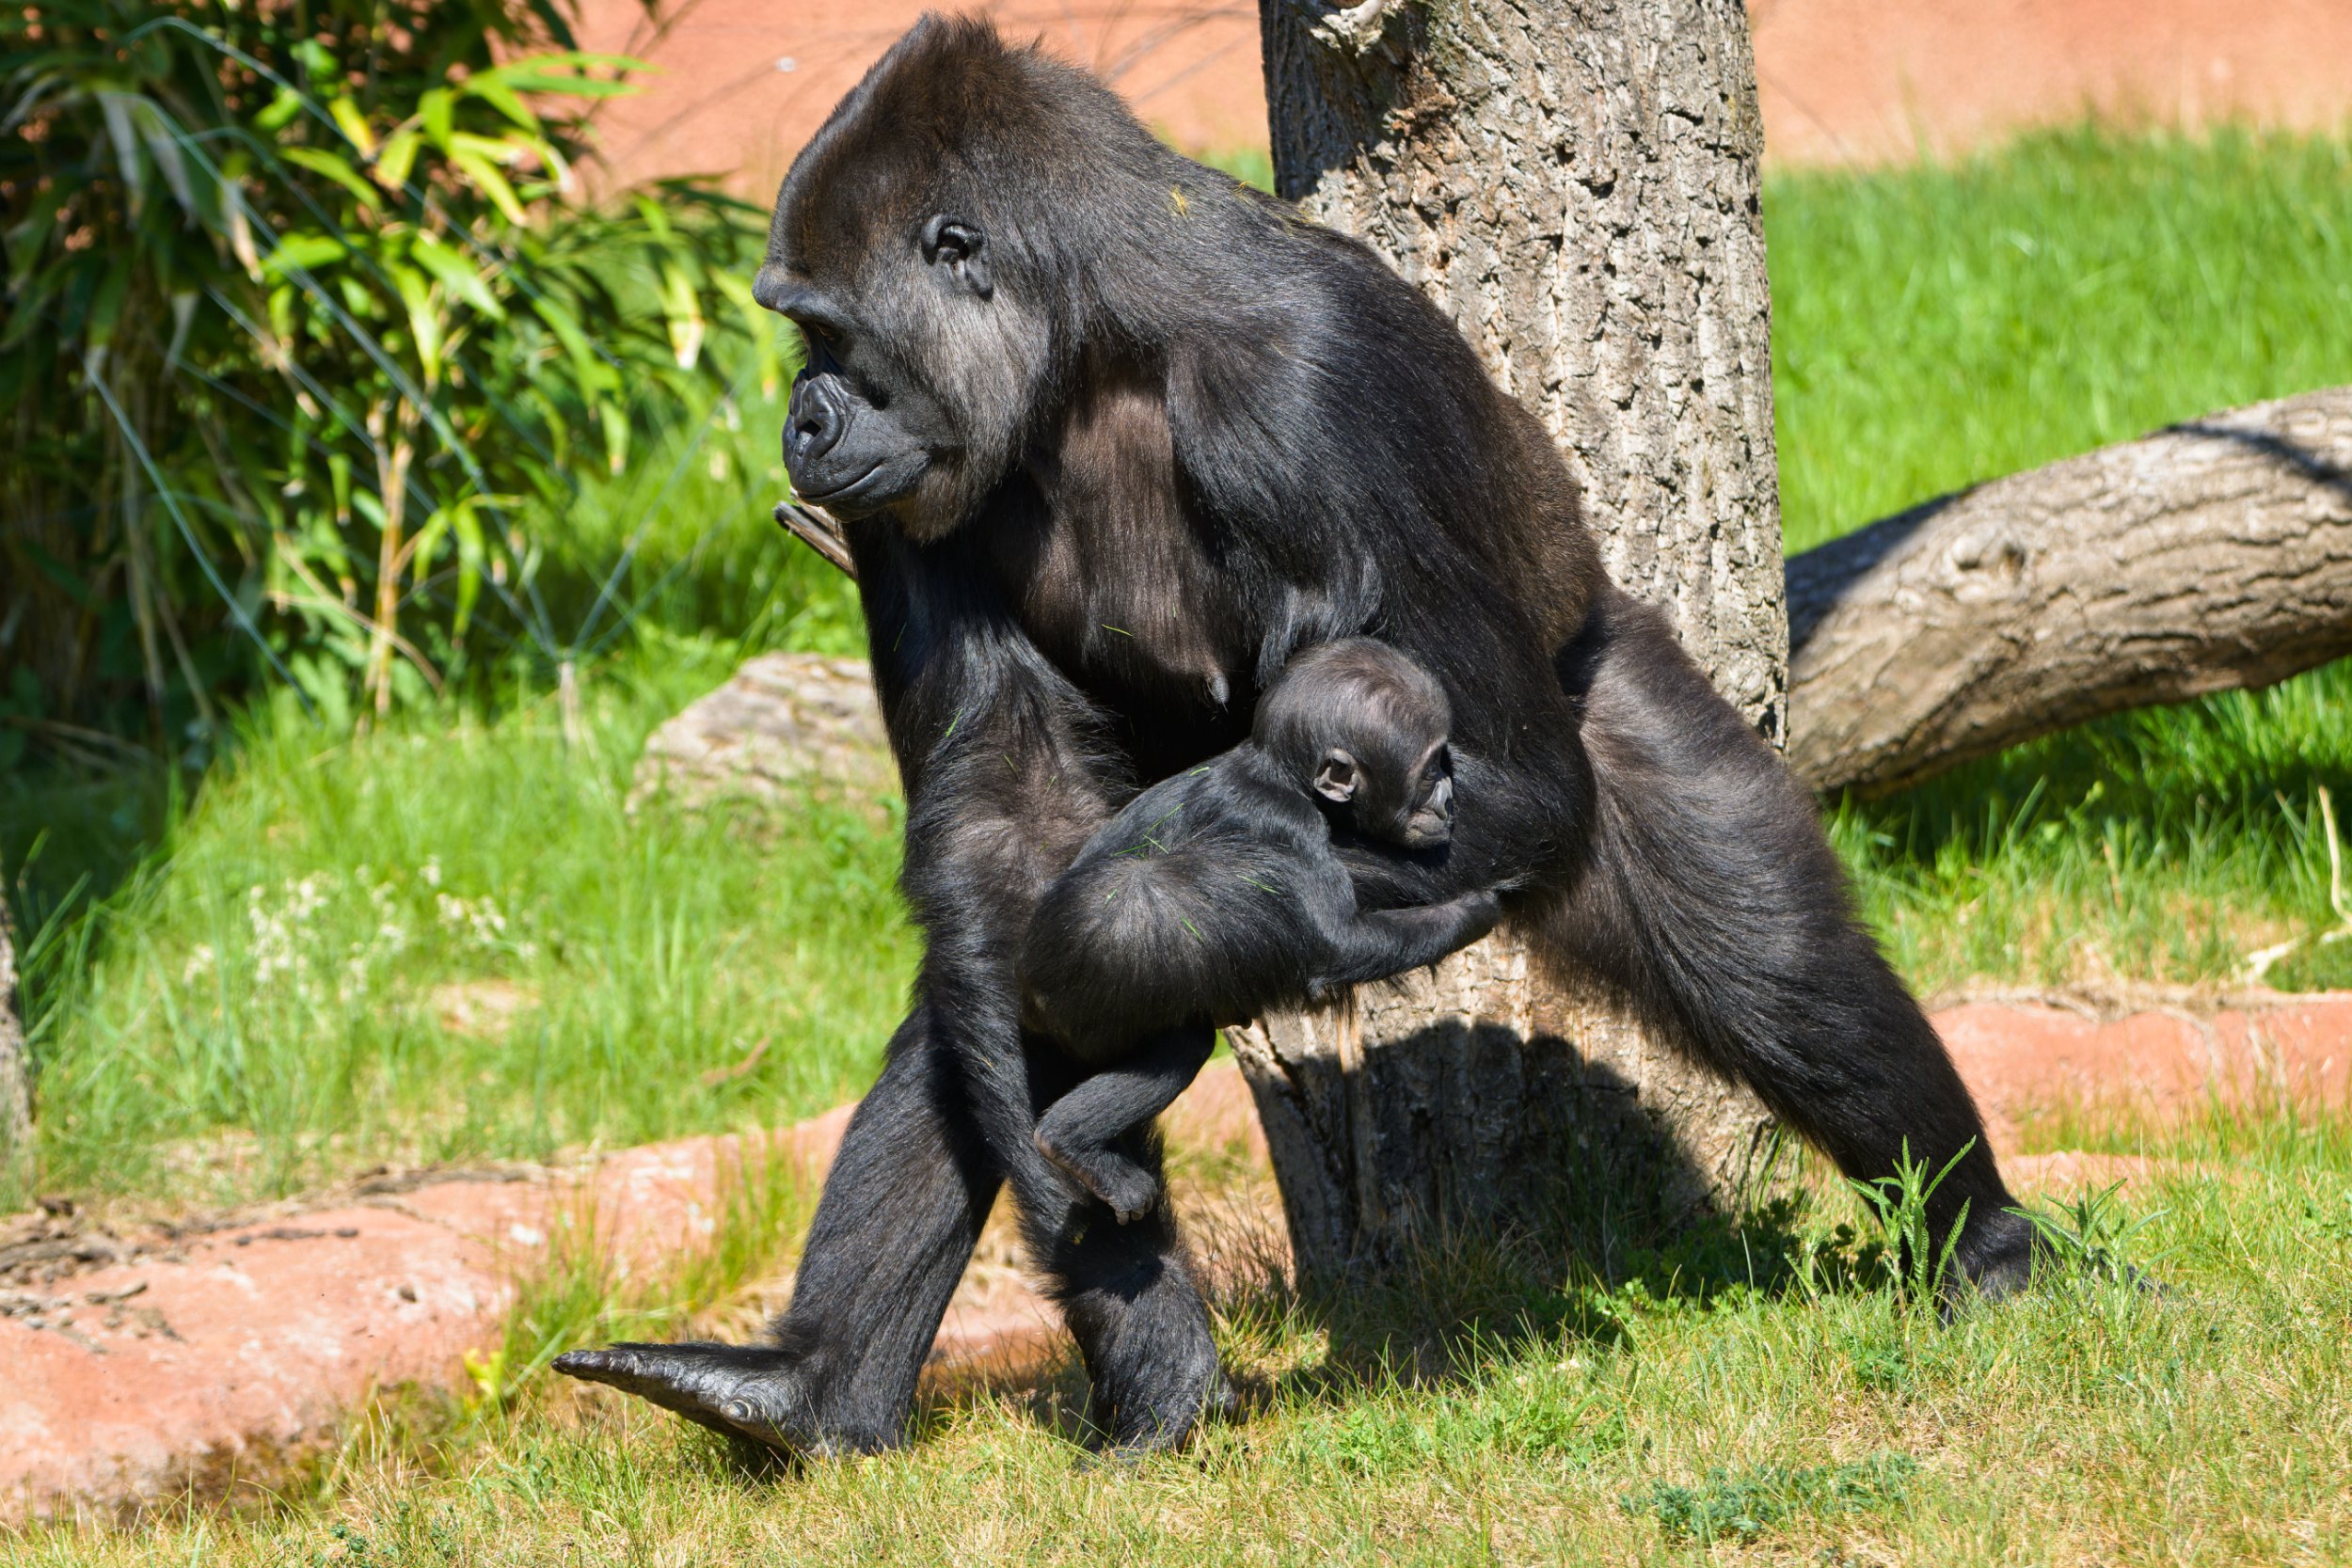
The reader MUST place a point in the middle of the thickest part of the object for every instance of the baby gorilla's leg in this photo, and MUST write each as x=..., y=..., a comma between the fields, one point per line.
x=1080, y=1130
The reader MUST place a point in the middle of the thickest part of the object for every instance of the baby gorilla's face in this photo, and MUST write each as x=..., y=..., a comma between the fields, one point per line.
x=1405, y=797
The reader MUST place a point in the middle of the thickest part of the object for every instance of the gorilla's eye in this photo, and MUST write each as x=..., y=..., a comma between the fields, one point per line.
x=962, y=248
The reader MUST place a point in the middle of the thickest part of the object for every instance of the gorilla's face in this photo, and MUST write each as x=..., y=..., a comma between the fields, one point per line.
x=1391, y=792
x=918, y=369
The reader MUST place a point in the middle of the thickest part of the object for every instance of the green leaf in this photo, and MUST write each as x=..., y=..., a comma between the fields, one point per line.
x=456, y=274
x=116, y=107
x=321, y=161
x=499, y=96
x=106, y=307
x=303, y=251
x=683, y=310
x=424, y=324
x=163, y=144
x=489, y=181
x=758, y=325
x=354, y=125
x=508, y=148
x=615, y=422
x=435, y=109
x=316, y=60
x=563, y=324
x=471, y=557
x=280, y=111
x=523, y=79
x=398, y=157
x=656, y=219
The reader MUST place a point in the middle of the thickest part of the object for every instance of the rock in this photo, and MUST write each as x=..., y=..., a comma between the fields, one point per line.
x=781, y=723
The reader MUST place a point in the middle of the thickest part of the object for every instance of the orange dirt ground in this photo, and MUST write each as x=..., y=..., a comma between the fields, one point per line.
x=136, y=1366
x=743, y=83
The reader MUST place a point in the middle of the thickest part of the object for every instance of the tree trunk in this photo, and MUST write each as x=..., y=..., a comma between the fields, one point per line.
x=2213, y=555
x=16, y=1068
x=1576, y=182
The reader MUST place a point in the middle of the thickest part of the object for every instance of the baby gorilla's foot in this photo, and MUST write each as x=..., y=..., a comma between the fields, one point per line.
x=1127, y=1188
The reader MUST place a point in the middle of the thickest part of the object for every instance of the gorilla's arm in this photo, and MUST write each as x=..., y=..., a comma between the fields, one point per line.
x=1001, y=786
x=1388, y=943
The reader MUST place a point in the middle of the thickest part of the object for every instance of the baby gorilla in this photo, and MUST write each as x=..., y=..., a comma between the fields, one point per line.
x=1216, y=896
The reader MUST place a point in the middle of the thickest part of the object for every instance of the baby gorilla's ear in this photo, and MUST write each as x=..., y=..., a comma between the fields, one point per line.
x=1335, y=777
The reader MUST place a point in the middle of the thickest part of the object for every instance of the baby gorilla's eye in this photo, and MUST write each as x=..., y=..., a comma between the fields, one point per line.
x=1437, y=774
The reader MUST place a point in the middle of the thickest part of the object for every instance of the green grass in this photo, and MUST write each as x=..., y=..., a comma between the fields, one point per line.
x=2167, y=846
x=1561, y=1419
x=1936, y=327
x=297, y=970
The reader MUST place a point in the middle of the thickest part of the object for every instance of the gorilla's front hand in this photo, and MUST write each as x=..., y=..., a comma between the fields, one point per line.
x=755, y=1391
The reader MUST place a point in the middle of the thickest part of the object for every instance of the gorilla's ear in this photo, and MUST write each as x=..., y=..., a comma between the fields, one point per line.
x=1335, y=777
x=963, y=250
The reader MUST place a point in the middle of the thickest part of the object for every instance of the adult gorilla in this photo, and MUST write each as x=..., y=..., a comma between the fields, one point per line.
x=1116, y=437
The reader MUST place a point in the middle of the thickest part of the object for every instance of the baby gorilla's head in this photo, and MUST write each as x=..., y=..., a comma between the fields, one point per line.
x=1364, y=727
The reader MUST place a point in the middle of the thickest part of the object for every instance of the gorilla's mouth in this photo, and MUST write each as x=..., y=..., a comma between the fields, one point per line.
x=844, y=492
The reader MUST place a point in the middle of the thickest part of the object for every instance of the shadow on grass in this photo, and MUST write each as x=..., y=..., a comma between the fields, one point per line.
x=71, y=834
x=1580, y=1266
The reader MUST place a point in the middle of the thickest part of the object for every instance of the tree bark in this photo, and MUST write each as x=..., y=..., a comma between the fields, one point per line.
x=16, y=1068
x=1576, y=182
x=2213, y=555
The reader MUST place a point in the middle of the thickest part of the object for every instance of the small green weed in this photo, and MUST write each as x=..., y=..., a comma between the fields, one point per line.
x=1746, y=1503
x=1897, y=1206
x=2089, y=1238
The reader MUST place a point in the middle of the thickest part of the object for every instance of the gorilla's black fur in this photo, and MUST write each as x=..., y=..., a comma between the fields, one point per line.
x=1118, y=438
x=1215, y=897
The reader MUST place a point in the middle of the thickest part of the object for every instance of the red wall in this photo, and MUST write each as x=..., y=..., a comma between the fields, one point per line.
x=1842, y=80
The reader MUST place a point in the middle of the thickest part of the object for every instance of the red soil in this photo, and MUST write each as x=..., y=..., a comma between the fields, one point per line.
x=1868, y=80
x=130, y=1379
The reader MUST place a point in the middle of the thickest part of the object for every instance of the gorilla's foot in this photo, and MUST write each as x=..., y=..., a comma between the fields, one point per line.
x=755, y=1391
x=1126, y=1187
x=1163, y=1418
x=1995, y=1259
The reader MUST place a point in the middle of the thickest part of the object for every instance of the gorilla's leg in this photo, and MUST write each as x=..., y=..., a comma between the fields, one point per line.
x=901, y=1210
x=1081, y=1132
x=1714, y=902
x=1128, y=1294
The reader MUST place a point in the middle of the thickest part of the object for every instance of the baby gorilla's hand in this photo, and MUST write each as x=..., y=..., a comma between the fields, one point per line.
x=1479, y=913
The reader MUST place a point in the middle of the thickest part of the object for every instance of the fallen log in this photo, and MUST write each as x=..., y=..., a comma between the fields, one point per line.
x=2210, y=556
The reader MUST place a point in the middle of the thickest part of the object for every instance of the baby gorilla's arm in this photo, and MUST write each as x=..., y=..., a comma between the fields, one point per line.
x=1388, y=943
x=1081, y=1132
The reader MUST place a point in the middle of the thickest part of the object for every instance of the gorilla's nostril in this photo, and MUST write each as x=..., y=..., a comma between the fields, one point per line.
x=814, y=423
